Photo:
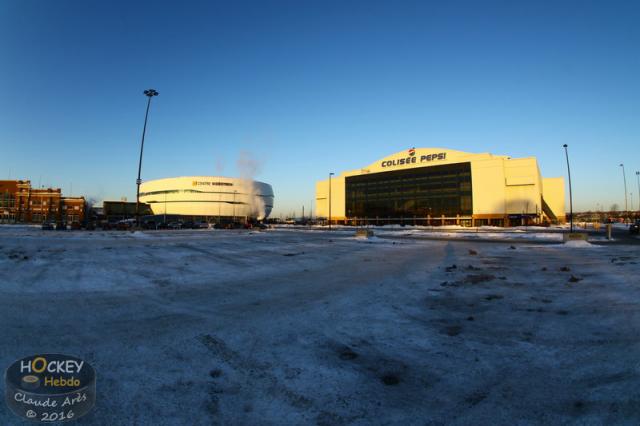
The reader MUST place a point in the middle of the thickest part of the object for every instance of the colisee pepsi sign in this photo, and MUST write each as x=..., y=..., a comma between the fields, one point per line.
x=412, y=159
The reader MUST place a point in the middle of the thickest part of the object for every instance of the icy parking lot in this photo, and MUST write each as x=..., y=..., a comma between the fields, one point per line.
x=311, y=327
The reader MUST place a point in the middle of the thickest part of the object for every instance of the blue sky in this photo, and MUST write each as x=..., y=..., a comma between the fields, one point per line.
x=311, y=87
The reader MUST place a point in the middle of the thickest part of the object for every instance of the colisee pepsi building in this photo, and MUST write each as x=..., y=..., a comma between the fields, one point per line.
x=438, y=186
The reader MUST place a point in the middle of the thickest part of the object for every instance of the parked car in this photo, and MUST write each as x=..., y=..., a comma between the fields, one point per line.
x=107, y=226
x=76, y=226
x=174, y=225
x=150, y=224
x=47, y=226
x=635, y=227
x=201, y=225
x=125, y=224
x=61, y=226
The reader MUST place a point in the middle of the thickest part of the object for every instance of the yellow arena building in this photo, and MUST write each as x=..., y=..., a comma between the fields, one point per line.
x=438, y=186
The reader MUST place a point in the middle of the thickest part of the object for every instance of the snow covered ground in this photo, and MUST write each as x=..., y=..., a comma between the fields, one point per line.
x=311, y=327
x=493, y=233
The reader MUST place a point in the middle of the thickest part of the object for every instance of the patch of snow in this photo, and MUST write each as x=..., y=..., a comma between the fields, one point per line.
x=140, y=234
x=579, y=244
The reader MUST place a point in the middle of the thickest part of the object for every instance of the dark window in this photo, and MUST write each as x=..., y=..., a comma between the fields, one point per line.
x=423, y=191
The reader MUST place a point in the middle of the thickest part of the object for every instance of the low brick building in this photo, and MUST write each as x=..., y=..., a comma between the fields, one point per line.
x=20, y=203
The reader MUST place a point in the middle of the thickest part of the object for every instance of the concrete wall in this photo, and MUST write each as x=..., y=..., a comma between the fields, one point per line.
x=554, y=195
x=487, y=183
x=523, y=186
x=337, y=197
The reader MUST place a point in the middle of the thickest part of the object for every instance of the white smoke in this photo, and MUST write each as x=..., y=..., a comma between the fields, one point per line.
x=219, y=166
x=249, y=167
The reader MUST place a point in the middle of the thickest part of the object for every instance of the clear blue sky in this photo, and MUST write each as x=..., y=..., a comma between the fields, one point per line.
x=308, y=87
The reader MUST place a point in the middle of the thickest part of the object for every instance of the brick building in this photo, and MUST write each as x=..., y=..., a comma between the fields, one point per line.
x=20, y=203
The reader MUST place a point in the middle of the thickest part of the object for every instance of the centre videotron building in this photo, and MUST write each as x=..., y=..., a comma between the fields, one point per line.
x=209, y=198
x=438, y=186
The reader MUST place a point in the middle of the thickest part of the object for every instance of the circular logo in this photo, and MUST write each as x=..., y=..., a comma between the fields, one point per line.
x=50, y=388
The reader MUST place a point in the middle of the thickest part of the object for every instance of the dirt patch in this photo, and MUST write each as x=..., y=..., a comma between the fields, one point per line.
x=390, y=380
x=347, y=355
x=452, y=330
x=478, y=278
x=493, y=297
x=292, y=254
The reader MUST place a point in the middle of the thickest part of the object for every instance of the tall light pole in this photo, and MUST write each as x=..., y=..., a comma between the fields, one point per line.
x=234, y=206
x=150, y=93
x=624, y=176
x=566, y=154
x=330, y=174
x=638, y=179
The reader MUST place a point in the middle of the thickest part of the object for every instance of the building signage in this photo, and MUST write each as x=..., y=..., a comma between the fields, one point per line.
x=206, y=183
x=412, y=159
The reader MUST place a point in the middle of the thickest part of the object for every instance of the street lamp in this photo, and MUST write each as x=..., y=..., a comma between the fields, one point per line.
x=234, y=206
x=149, y=93
x=638, y=178
x=330, y=174
x=566, y=153
x=624, y=176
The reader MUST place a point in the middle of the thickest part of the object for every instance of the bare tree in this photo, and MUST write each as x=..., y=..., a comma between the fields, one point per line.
x=88, y=208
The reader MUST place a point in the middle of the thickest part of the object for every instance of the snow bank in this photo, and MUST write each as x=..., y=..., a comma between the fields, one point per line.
x=579, y=244
x=140, y=234
x=373, y=240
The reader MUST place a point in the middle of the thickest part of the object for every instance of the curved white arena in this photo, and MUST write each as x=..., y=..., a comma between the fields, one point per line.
x=210, y=197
